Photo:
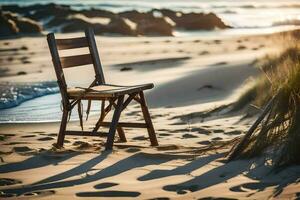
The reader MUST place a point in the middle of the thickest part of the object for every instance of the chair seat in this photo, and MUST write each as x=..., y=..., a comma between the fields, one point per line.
x=106, y=91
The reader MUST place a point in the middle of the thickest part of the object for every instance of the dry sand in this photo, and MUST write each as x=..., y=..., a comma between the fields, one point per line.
x=192, y=75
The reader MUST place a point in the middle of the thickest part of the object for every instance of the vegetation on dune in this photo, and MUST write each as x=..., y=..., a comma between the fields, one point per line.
x=279, y=132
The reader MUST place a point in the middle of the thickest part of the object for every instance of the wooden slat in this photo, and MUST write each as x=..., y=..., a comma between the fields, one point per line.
x=84, y=133
x=71, y=43
x=125, y=124
x=78, y=60
x=89, y=33
x=58, y=70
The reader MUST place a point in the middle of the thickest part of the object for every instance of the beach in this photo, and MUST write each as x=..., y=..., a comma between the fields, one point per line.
x=198, y=79
x=183, y=166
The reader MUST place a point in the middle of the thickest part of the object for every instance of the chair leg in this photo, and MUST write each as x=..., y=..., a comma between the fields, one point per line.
x=62, y=129
x=114, y=123
x=121, y=134
x=148, y=120
x=102, y=116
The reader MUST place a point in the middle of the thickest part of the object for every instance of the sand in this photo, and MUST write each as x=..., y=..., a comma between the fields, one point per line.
x=191, y=75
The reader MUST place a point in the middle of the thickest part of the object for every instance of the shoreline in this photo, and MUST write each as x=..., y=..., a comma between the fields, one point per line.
x=161, y=21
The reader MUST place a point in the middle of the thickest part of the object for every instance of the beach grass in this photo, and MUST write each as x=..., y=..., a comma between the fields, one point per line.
x=280, y=131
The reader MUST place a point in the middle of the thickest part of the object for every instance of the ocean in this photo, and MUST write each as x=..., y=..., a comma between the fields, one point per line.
x=239, y=14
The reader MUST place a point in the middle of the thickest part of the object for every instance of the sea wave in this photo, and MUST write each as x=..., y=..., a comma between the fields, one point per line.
x=13, y=94
x=287, y=22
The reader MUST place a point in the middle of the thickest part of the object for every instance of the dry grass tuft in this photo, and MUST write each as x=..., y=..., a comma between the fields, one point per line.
x=279, y=133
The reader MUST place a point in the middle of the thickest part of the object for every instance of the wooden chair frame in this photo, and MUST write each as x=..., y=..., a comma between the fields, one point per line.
x=115, y=98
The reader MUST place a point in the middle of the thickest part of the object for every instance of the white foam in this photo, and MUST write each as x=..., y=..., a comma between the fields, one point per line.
x=14, y=94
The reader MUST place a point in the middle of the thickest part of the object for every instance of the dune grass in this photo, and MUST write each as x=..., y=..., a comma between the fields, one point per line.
x=279, y=133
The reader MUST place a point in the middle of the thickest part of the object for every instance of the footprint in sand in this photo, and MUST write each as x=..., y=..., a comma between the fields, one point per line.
x=241, y=47
x=52, y=134
x=178, y=130
x=15, y=143
x=160, y=198
x=28, y=136
x=246, y=187
x=164, y=134
x=203, y=53
x=261, y=46
x=133, y=150
x=201, y=131
x=10, y=59
x=167, y=147
x=216, y=198
x=38, y=132
x=39, y=193
x=217, y=41
x=178, y=123
x=218, y=131
x=221, y=63
x=23, y=149
x=158, y=115
x=109, y=193
x=163, y=130
x=7, y=195
x=140, y=138
x=217, y=138
x=45, y=139
x=206, y=142
x=187, y=135
x=8, y=181
x=208, y=86
x=181, y=189
x=123, y=69
x=233, y=133
x=9, y=135
x=81, y=144
x=23, y=48
x=105, y=185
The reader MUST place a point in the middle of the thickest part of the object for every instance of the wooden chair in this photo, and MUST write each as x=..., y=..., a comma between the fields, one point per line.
x=98, y=90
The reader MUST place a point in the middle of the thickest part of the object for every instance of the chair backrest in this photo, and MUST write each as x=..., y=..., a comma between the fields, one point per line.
x=55, y=45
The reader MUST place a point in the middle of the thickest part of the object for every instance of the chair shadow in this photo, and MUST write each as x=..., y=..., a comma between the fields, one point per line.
x=39, y=160
x=200, y=162
x=58, y=181
x=210, y=178
x=83, y=168
x=262, y=173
